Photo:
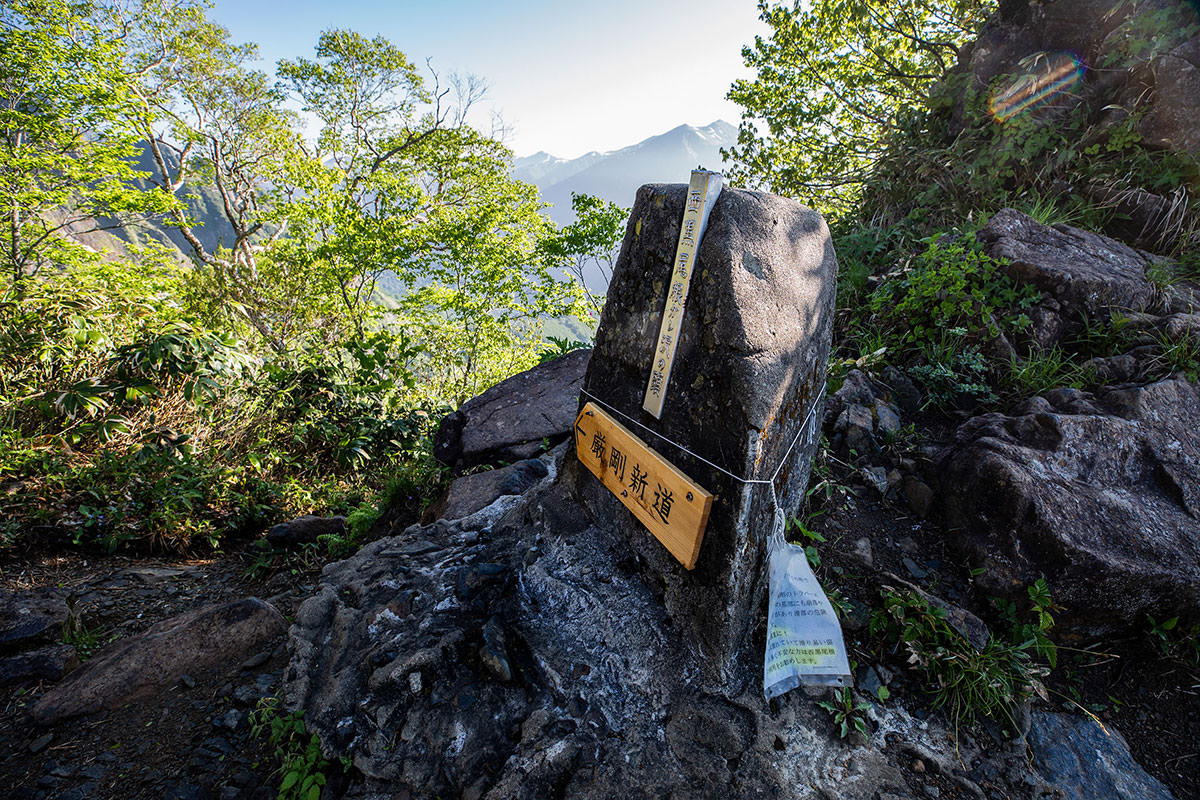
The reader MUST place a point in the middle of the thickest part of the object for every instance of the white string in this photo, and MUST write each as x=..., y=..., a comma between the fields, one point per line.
x=774, y=475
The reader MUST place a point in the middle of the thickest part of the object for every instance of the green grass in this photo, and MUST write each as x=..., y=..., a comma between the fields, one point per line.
x=1043, y=370
x=969, y=683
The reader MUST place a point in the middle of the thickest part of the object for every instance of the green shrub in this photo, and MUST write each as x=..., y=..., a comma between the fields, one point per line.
x=951, y=284
x=148, y=431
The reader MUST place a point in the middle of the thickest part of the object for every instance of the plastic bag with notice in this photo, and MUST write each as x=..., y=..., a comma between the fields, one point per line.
x=804, y=638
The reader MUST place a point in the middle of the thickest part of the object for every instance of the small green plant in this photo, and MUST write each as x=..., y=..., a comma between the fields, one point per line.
x=1042, y=370
x=808, y=539
x=1162, y=273
x=952, y=283
x=848, y=712
x=558, y=348
x=1049, y=210
x=302, y=765
x=954, y=375
x=86, y=641
x=1035, y=630
x=971, y=682
x=1176, y=641
x=1181, y=354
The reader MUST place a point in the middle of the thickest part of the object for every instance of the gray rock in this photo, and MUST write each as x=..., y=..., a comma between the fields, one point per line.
x=1087, y=761
x=1185, y=297
x=862, y=552
x=856, y=389
x=31, y=618
x=305, y=530
x=900, y=390
x=1100, y=495
x=887, y=419
x=919, y=495
x=1079, y=273
x=748, y=375
x=140, y=665
x=49, y=663
x=871, y=682
x=516, y=418
x=1183, y=327
x=156, y=575
x=876, y=478
x=231, y=720
x=1116, y=369
x=471, y=493
x=856, y=424
x=864, y=413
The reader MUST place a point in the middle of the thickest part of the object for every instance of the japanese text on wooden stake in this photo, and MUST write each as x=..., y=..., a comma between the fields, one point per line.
x=672, y=506
x=701, y=197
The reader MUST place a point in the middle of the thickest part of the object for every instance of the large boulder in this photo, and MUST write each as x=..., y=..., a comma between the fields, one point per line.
x=547, y=646
x=1080, y=274
x=526, y=657
x=1100, y=494
x=744, y=392
x=49, y=663
x=154, y=659
x=517, y=418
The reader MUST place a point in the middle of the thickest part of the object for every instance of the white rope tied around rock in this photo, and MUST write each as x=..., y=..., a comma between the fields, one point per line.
x=778, y=524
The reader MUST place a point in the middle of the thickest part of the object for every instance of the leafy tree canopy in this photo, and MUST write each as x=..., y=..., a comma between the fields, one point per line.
x=66, y=142
x=833, y=77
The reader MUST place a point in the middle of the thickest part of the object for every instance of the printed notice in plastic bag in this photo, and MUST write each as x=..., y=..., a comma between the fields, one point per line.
x=804, y=639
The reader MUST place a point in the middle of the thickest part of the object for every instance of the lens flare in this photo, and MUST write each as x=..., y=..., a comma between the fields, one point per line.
x=1048, y=75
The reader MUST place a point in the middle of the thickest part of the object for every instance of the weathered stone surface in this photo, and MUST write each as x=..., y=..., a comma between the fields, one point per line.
x=49, y=663
x=748, y=372
x=516, y=418
x=471, y=493
x=142, y=664
x=305, y=530
x=1087, y=761
x=1079, y=273
x=30, y=618
x=1098, y=493
x=530, y=659
x=552, y=648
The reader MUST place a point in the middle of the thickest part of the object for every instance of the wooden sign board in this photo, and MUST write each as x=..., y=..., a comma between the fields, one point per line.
x=670, y=504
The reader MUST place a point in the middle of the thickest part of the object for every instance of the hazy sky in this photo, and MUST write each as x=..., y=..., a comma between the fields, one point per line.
x=566, y=77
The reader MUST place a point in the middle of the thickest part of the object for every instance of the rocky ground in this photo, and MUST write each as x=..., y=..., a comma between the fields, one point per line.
x=192, y=738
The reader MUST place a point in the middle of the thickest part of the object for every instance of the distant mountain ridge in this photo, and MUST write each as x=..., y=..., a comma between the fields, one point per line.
x=667, y=158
